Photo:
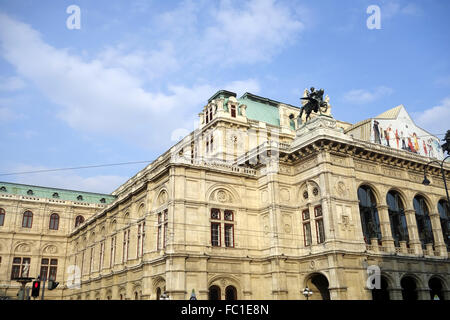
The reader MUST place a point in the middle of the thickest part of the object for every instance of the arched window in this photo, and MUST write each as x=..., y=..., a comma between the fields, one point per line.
x=78, y=220
x=55, y=195
x=80, y=198
x=292, y=121
x=54, y=222
x=381, y=294
x=369, y=214
x=444, y=213
x=214, y=293
x=319, y=285
x=397, y=218
x=409, y=288
x=2, y=216
x=423, y=221
x=435, y=285
x=27, y=220
x=230, y=293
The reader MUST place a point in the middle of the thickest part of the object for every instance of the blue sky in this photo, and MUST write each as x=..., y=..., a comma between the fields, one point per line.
x=138, y=72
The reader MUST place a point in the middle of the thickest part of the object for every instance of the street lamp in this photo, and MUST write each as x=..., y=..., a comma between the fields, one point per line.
x=307, y=293
x=427, y=182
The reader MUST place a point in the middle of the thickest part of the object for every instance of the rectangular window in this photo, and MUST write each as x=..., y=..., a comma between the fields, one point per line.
x=102, y=254
x=215, y=214
x=228, y=215
x=44, y=269
x=138, y=251
x=320, y=231
x=82, y=262
x=112, y=259
x=48, y=269
x=159, y=247
x=215, y=234
x=318, y=211
x=142, y=238
x=163, y=229
x=20, y=268
x=53, y=269
x=211, y=144
x=229, y=235
x=305, y=214
x=126, y=244
x=91, y=260
x=307, y=233
x=233, y=111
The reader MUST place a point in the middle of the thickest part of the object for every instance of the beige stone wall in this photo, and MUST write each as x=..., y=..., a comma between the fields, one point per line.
x=316, y=166
x=38, y=241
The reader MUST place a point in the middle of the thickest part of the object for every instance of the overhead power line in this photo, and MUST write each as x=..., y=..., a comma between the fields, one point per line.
x=75, y=168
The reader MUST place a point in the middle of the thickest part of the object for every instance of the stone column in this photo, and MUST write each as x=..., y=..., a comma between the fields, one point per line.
x=176, y=278
x=374, y=244
x=395, y=293
x=446, y=294
x=439, y=244
x=385, y=225
x=423, y=293
x=414, y=241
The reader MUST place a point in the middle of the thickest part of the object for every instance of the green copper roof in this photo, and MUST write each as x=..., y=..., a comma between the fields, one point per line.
x=54, y=193
x=261, y=109
x=222, y=94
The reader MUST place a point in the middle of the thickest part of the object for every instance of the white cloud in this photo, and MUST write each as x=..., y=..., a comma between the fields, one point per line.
x=443, y=81
x=6, y=114
x=393, y=8
x=96, y=97
x=232, y=32
x=11, y=83
x=249, y=34
x=65, y=179
x=360, y=96
x=435, y=119
x=148, y=64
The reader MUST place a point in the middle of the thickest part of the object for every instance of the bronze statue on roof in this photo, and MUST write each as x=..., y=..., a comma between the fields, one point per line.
x=446, y=145
x=314, y=102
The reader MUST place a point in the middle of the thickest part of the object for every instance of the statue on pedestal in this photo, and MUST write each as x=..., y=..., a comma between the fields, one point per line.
x=314, y=102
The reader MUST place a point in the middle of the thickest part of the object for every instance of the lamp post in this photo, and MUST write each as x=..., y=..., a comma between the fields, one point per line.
x=427, y=182
x=307, y=293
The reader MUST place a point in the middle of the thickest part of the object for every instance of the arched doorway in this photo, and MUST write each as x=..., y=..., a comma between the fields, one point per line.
x=158, y=293
x=318, y=283
x=230, y=293
x=214, y=293
x=435, y=285
x=409, y=288
x=381, y=294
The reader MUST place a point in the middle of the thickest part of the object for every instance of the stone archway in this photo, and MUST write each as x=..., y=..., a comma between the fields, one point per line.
x=319, y=285
x=409, y=288
x=381, y=294
x=214, y=293
x=436, y=288
x=230, y=293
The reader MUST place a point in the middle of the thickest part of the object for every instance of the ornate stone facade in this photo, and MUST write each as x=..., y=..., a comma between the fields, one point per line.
x=248, y=209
